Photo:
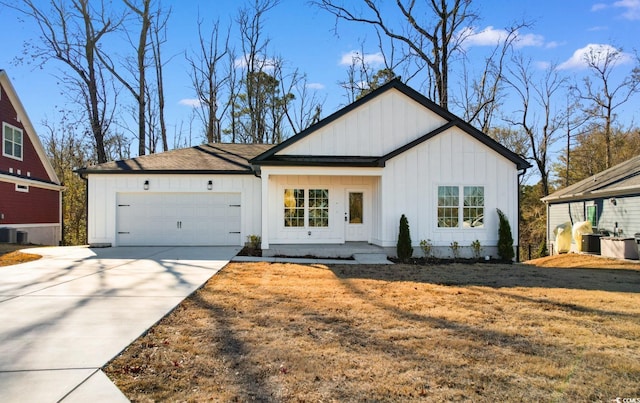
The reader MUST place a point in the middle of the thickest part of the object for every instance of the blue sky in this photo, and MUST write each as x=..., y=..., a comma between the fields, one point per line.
x=304, y=37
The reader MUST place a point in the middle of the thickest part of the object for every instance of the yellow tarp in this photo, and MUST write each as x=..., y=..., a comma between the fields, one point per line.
x=563, y=237
x=579, y=229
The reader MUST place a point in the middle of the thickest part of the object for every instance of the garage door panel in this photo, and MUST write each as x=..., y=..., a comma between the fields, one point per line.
x=178, y=219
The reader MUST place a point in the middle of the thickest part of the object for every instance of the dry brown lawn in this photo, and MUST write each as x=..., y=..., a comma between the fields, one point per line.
x=485, y=332
x=10, y=255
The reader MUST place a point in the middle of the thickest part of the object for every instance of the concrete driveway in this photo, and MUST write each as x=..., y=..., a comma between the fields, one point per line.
x=66, y=315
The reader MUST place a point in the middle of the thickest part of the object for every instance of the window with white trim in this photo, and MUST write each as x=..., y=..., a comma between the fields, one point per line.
x=455, y=211
x=11, y=141
x=318, y=207
x=294, y=207
x=22, y=188
x=306, y=208
x=592, y=215
x=448, y=204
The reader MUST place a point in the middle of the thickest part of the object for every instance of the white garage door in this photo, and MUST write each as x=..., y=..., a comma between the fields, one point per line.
x=166, y=219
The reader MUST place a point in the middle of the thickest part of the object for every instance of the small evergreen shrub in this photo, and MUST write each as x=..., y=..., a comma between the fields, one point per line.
x=404, y=249
x=505, y=239
x=542, y=250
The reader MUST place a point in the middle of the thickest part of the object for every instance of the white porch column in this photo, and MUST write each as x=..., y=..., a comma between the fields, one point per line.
x=265, y=210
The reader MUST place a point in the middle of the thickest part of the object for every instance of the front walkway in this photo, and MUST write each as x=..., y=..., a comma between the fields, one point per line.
x=65, y=316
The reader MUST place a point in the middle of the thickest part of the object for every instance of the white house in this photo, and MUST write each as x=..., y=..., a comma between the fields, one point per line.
x=347, y=178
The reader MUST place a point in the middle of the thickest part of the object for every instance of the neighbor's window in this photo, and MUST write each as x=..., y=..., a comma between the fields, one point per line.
x=592, y=215
x=473, y=210
x=453, y=210
x=294, y=207
x=318, y=207
x=12, y=141
x=448, y=201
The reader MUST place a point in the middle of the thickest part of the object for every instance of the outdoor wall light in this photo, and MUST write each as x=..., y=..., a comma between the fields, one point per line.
x=146, y=185
x=613, y=201
x=210, y=185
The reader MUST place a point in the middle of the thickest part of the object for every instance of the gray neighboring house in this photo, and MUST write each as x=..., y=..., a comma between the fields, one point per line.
x=607, y=199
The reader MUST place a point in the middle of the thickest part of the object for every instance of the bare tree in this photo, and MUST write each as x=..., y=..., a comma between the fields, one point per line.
x=234, y=91
x=256, y=81
x=67, y=150
x=359, y=73
x=158, y=37
x=137, y=85
x=602, y=96
x=208, y=78
x=481, y=96
x=306, y=111
x=541, y=128
x=574, y=121
x=71, y=32
x=430, y=32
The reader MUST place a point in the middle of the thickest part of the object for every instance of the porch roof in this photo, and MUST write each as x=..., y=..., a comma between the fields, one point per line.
x=324, y=161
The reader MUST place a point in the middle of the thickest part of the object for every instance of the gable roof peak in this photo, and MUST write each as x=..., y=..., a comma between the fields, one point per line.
x=5, y=83
x=397, y=84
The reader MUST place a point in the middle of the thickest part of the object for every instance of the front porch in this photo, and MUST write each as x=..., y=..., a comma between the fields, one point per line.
x=328, y=206
x=347, y=253
x=343, y=251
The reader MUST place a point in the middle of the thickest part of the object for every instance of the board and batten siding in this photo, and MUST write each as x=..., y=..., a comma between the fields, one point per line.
x=338, y=186
x=103, y=190
x=376, y=128
x=410, y=181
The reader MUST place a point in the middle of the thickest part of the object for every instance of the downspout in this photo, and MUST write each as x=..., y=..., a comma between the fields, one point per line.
x=61, y=215
x=548, y=231
x=520, y=175
x=86, y=205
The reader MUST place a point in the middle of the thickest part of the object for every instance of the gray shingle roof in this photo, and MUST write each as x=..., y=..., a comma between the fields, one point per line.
x=623, y=178
x=205, y=158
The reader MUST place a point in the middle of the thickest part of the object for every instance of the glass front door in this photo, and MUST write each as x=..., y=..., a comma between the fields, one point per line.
x=356, y=220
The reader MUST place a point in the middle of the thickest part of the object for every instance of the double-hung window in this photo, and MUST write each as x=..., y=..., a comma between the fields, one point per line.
x=460, y=206
x=306, y=208
x=11, y=141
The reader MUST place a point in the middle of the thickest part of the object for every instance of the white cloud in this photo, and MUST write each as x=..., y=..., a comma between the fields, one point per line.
x=487, y=37
x=595, y=52
x=372, y=59
x=191, y=102
x=316, y=86
x=529, y=40
x=542, y=65
x=553, y=44
x=492, y=37
x=598, y=7
x=598, y=28
x=632, y=8
x=242, y=62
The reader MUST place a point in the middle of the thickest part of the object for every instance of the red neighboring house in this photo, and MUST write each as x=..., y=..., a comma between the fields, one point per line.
x=30, y=191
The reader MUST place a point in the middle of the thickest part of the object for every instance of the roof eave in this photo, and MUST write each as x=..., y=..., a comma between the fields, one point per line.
x=87, y=171
x=599, y=194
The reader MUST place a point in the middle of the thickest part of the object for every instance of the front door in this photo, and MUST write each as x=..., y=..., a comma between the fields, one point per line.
x=356, y=216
